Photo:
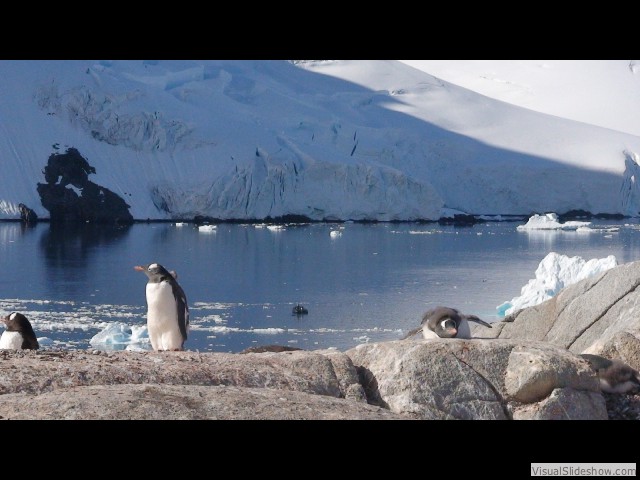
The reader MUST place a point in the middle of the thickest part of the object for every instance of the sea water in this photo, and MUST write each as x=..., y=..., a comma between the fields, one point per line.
x=364, y=283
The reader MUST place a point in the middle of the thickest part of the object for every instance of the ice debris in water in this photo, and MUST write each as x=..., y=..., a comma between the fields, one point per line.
x=120, y=336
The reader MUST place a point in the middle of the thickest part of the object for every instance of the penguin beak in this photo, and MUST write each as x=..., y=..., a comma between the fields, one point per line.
x=139, y=268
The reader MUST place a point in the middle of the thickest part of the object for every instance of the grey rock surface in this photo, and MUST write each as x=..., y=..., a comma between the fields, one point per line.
x=183, y=402
x=476, y=379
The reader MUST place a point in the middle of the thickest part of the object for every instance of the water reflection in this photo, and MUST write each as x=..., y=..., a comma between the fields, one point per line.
x=67, y=251
x=69, y=245
x=13, y=231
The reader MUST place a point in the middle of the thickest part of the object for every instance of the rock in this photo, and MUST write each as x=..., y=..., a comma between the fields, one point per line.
x=27, y=215
x=566, y=403
x=269, y=348
x=597, y=315
x=478, y=379
x=74, y=384
x=424, y=379
x=533, y=373
x=183, y=402
x=87, y=201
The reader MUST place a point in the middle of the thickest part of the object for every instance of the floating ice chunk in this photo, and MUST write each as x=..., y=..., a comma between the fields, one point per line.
x=275, y=228
x=120, y=336
x=44, y=341
x=268, y=331
x=335, y=233
x=207, y=228
x=180, y=224
x=554, y=273
x=550, y=221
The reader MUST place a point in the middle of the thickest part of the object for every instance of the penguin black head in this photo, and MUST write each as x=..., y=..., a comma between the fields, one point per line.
x=615, y=376
x=443, y=321
x=446, y=328
x=156, y=272
x=17, y=322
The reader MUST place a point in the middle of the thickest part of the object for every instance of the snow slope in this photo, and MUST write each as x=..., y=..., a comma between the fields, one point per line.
x=600, y=92
x=325, y=139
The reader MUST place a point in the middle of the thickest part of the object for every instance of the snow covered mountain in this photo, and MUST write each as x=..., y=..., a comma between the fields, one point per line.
x=376, y=140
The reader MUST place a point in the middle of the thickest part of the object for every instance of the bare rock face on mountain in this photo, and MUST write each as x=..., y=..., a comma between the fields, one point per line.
x=70, y=196
x=478, y=379
x=599, y=315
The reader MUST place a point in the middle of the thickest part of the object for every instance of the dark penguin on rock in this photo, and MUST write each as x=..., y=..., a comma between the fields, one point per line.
x=445, y=322
x=167, y=308
x=18, y=334
x=615, y=376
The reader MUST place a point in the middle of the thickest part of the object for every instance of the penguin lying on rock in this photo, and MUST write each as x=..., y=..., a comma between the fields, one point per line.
x=615, y=376
x=167, y=309
x=19, y=334
x=445, y=322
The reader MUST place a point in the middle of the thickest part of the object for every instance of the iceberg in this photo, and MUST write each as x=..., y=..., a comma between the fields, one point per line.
x=554, y=273
x=550, y=221
x=120, y=336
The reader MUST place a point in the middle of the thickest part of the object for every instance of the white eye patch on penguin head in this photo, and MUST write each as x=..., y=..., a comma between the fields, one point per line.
x=447, y=328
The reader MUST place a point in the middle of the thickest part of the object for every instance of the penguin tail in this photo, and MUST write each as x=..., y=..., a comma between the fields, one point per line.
x=473, y=318
x=412, y=333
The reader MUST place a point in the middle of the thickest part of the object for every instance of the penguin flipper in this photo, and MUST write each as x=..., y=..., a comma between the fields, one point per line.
x=412, y=332
x=475, y=319
x=183, y=309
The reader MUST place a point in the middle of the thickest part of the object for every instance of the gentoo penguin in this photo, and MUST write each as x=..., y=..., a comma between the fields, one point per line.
x=18, y=334
x=445, y=322
x=167, y=309
x=615, y=376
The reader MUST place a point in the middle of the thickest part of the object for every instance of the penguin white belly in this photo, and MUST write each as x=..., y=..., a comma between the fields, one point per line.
x=11, y=341
x=464, y=331
x=162, y=317
x=426, y=333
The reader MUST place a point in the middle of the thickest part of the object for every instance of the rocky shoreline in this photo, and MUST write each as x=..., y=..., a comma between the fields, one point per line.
x=423, y=379
x=532, y=369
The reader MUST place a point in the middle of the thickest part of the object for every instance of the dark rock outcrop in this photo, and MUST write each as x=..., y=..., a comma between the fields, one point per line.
x=84, y=201
x=27, y=215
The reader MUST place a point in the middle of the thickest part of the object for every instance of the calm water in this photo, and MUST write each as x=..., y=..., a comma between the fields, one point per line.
x=371, y=283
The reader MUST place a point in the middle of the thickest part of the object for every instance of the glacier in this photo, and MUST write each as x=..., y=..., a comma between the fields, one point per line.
x=327, y=140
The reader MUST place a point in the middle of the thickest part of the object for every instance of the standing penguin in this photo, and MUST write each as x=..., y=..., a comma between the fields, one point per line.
x=19, y=334
x=445, y=322
x=167, y=309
